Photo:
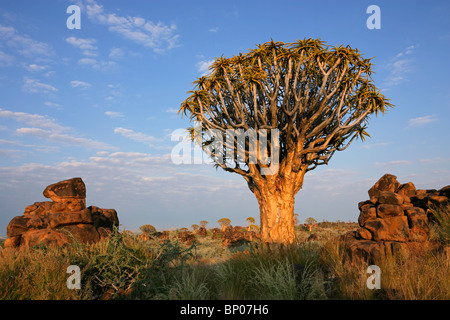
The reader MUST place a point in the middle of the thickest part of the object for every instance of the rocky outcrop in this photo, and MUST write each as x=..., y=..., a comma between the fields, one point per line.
x=395, y=216
x=57, y=222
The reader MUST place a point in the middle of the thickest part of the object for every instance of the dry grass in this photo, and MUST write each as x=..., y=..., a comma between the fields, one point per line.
x=126, y=267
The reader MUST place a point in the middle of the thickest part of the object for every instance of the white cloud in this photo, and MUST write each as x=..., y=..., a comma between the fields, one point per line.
x=116, y=53
x=34, y=67
x=136, y=136
x=79, y=84
x=45, y=128
x=52, y=104
x=399, y=67
x=379, y=144
x=435, y=160
x=24, y=44
x=420, y=121
x=203, y=66
x=87, y=61
x=36, y=86
x=393, y=163
x=157, y=36
x=114, y=114
x=214, y=29
x=33, y=120
x=172, y=110
x=87, y=45
x=63, y=138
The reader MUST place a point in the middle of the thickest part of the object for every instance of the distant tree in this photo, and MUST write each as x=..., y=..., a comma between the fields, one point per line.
x=224, y=223
x=183, y=229
x=313, y=98
x=195, y=227
x=250, y=221
x=203, y=223
x=255, y=228
x=310, y=222
x=148, y=229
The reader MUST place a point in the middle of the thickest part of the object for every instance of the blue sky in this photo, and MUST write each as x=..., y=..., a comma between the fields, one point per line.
x=100, y=102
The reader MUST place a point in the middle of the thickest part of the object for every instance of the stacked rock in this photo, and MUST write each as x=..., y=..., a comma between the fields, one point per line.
x=55, y=222
x=395, y=215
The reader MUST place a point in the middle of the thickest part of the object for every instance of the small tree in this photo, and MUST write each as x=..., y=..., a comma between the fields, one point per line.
x=203, y=223
x=306, y=98
x=148, y=229
x=250, y=221
x=310, y=222
x=195, y=227
x=224, y=223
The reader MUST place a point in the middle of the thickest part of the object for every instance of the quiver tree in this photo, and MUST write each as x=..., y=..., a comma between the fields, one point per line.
x=224, y=223
x=250, y=221
x=305, y=99
x=310, y=222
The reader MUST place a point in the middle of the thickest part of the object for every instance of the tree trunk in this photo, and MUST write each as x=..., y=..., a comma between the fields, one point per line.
x=277, y=217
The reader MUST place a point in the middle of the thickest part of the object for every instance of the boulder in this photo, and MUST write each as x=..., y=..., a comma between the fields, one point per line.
x=388, y=182
x=363, y=233
x=66, y=190
x=186, y=237
x=407, y=189
x=84, y=233
x=388, y=197
x=389, y=210
x=64, y=218
x=69, y=218
x=391, y=229
x=396, y=217
x=21, y=224
x=48, y=237
x=364, y=250
x=418, y=223
x=368, y=212
x=202, y=231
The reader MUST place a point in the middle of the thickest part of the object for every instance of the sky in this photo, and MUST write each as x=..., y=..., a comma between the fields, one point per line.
x=100, y=102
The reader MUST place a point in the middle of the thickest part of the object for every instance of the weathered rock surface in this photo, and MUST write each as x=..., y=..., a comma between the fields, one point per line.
x=396, y=216
x=58, y=222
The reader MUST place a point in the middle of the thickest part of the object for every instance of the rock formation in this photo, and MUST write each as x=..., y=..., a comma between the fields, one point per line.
x=396, y=215
x=55, y=222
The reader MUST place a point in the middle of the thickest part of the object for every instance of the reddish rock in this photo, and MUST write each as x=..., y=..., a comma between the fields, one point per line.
x=186, y=237
x=407, y=189
x=368, y=212
x=388, y=182
x=84, y=233
x=364, y=250
x=69, y=218
x=66, y=217
x=388, y=197
x=445, y=191
x=65, y=190
x=418, y=223
x=363, y=233
x=21, y=224
x=389, y=210
x=202, y=231
x=40, y=209
x=106, y=218
x=312, y=237
x=391, y=229
x=48, y=237
x=12, y=242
